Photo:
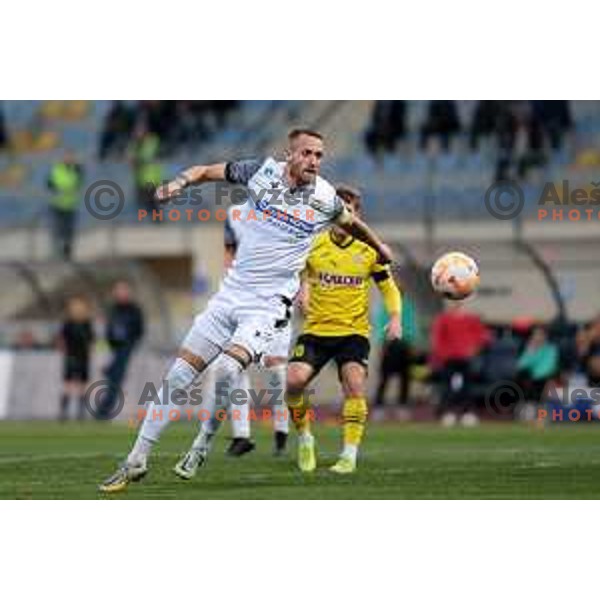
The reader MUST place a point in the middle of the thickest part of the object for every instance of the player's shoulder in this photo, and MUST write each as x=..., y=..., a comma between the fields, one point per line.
x=324, y=198
x=359, y=247
x=366, y=255
x=320, y=242
x=324, y=189
x=243, y=171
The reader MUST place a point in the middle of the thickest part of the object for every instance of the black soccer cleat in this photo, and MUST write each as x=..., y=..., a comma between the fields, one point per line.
x=240, y=446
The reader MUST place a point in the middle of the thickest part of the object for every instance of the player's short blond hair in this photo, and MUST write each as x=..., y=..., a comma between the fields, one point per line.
x=298, y=131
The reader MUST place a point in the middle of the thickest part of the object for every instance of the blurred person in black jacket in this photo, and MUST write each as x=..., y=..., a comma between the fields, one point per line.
x=387, y=127
x=442, y=123
x=555, y=118
x=588, y=344
x=3, y=135
x=520, y=136
x=124, y=329
x=118, y=130
x=75, y=341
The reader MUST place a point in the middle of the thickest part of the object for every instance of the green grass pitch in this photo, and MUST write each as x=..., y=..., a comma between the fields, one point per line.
x=48, y=460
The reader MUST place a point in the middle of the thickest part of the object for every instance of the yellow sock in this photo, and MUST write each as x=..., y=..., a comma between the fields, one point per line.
x=298, y=407
x=354, y=419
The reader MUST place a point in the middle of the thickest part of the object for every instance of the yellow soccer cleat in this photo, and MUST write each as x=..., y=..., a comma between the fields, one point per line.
x=122, y=477
x=344, y=466
x=307, y=460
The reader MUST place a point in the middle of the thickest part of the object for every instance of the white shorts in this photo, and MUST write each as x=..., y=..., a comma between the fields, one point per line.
x=260, y=325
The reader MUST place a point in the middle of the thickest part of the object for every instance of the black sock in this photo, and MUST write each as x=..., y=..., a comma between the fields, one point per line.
x=82, y=408
x=280, y=440
x=64, y=407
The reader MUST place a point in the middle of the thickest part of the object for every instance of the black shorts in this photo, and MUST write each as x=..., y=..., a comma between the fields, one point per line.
x=75, y=370
x=318, y=350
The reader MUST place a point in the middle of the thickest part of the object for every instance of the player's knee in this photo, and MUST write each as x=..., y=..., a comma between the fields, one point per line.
x=353, y=382
x=195, y=361
x=240, y=354
x=227, y=368
x=296, y=383
x=298, y=377
x=271, y=362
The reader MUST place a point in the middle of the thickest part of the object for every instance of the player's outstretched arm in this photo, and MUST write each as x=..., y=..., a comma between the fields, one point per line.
x=392, y=300
x=192, y=176
x=361, y=231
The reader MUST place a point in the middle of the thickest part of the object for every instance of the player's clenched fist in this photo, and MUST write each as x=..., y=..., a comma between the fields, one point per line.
x=168, y=191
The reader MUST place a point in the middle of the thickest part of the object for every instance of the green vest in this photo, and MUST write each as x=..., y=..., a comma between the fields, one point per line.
x=66, y=181
x=149, y=174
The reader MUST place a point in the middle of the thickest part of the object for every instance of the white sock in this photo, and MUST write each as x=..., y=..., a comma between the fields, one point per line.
x=240, y=419
x=350, y=451
x=141, y=449
x=204, y=439
x=276, y=378
x=226, y=371
x=180, y=377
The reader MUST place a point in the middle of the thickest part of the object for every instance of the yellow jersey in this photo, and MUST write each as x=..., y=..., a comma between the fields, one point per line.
x=339, y=279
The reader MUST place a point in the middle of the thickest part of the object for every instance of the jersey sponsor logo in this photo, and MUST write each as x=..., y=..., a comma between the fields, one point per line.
x=331, y=279
x=274, y=215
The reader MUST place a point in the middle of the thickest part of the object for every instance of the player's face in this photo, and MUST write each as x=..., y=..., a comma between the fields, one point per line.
x=304, y=159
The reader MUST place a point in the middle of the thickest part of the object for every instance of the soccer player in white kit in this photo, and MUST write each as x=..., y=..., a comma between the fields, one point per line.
x=273, y=369
x=291, y=204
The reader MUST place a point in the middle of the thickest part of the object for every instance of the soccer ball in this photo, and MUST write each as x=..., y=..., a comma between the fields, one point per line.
x=455, y=275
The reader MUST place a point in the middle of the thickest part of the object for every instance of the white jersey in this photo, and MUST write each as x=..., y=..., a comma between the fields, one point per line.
x=277, y=226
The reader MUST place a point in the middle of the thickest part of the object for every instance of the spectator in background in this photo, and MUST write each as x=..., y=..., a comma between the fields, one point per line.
x=588, y=344
x=118, y=129
x=442, y=124
x=124, y=330
x=520, y=141
x=75, y=341
x=148, y=171
x=387, y=127
x=65, y=182
x=555, y=119
x=397, y=356
x=3, y=135
x=457, y=338
x=537, y=364
x=222, y=110
x=499, y=357
x=485, y=121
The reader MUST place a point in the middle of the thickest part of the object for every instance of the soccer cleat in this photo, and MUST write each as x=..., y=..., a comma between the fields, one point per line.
x=307, y=460
x=280, y=442
x=240, y=446
x=123, y=476
x=344, y=466
x=469, y=420
x=186, y=468
x=448, y=420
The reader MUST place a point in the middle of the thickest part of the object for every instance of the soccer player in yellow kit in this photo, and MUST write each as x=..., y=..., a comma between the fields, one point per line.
x=335, y=300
